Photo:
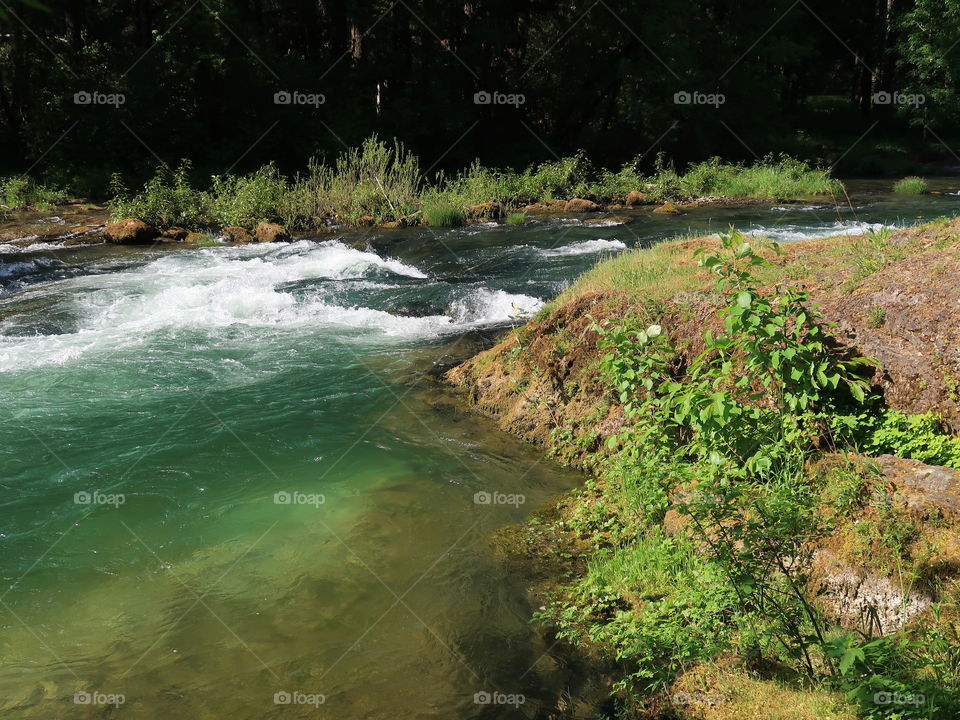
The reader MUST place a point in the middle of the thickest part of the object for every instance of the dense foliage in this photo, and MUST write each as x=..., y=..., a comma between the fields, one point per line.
x=87, y=87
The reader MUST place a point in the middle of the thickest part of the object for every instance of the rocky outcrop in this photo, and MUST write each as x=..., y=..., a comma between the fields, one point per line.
x=271, y=232
x=485, y=211
x=174, y=234
x=130, y=232
x=237, y=234
x=907, y=316
x=923, y=487
x=579, y=205
x=553, y=381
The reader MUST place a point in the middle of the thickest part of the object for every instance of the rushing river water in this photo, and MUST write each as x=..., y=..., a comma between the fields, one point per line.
x=230, y=489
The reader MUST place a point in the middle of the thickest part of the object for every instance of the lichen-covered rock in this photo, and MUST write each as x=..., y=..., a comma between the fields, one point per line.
x=923, y=486
x=860, y=600
x=917, y=343
x=130, y=232
x=174, y=234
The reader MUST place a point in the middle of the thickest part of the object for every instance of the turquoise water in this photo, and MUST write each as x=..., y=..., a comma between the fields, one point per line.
x=229, y=473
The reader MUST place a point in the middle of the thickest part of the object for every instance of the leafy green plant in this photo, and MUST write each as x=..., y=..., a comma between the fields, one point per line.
x=516, y=218
x=876, y=317
x=920, y=436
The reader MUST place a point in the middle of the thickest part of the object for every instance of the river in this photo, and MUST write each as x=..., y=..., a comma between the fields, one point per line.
x=232, y=487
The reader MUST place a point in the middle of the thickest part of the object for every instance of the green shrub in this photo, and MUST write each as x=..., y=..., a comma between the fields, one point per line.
x=769, y=179
x=376, y=179
x=167, y=199
x=247, y=200
x=18, y=192
x=516, y=219
x=911, y=185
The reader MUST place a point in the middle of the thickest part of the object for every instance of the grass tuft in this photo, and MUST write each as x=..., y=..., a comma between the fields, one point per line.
x=439, y=213
x=911, y=186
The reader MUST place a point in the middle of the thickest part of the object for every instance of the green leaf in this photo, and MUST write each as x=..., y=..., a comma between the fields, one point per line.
x=744, y=299
x=857, y=391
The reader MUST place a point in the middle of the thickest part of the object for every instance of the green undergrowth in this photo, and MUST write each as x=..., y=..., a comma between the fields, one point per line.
x=384, y=182
x=701, y=527
x=18, y=192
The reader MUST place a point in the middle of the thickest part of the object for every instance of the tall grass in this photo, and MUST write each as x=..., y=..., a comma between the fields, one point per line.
x=438, y=212
x=383, y=181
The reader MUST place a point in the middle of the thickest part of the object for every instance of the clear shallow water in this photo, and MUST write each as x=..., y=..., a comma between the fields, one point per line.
x=207, y=387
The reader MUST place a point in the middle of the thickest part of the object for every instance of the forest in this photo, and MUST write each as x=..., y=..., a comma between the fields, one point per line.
x=92, y=88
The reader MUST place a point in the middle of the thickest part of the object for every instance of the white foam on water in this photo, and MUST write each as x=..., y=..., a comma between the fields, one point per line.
x=605, y=223
x=489, y=307
x=585, y=247
x=25, y=267
x=788, y=232
x=796, y=208
x=610, y=222
x=244, y=287
x=7, y=248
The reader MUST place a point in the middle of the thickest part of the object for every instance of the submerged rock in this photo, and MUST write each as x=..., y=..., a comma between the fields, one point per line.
x=271, y=232
x=416, y=308
x=130, y=232
x=667, y=208
x=611, y=220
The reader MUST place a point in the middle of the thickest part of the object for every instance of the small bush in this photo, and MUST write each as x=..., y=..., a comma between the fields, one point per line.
x=250, y=199
x=167, y=199
x=911, y=186
x=516, y=218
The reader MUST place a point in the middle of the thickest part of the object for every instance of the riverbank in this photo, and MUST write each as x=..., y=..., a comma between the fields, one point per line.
x=709, y=579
